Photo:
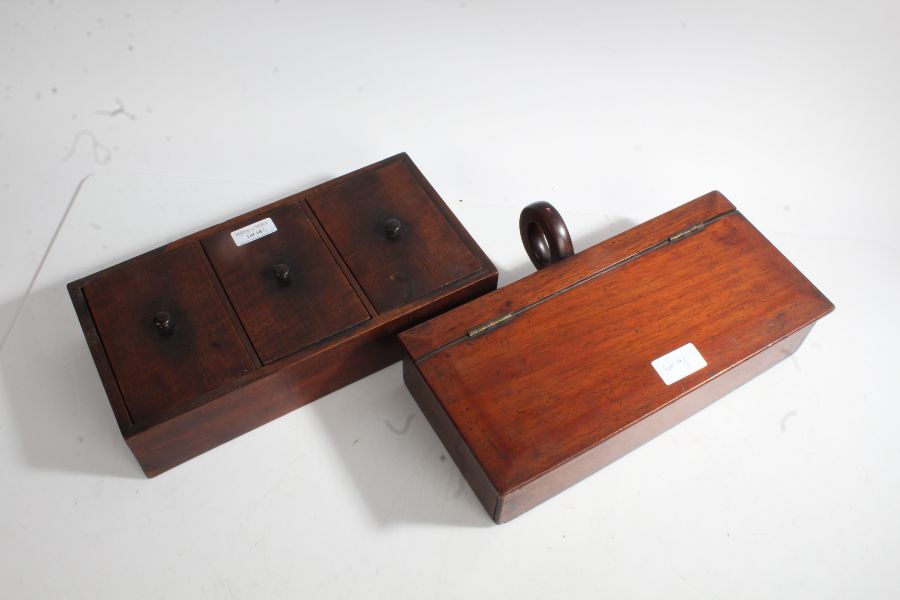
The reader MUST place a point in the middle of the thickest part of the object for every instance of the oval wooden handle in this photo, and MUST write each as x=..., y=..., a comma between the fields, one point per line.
x=544, y=234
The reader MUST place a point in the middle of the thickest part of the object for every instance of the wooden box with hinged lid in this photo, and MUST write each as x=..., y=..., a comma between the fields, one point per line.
x=214, y=334
x=535, y=386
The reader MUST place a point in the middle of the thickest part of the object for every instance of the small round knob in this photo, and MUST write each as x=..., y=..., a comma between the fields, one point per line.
x=392, y=228
x=282, y=273
x=163, y=322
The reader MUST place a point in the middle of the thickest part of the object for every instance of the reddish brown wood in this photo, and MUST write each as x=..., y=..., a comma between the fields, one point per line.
x=434, y=333
x=443, y=425
x=544, y=234
x=547, y=380
x=291, y=297
x=284, y=314
x=158, y=371
x=392, y=242
x=600, y=455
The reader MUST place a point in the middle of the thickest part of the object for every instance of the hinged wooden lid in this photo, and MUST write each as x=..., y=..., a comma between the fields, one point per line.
x=498, y=306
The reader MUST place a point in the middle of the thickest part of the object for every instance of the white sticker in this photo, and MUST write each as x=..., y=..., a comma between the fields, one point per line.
x=678, y=364
x=247, y=234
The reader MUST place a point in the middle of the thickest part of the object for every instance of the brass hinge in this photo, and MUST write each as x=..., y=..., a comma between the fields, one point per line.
x=489, y=325
x=688, y=231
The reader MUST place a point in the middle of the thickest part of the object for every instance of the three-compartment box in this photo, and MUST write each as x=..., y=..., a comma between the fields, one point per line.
x=214, y=334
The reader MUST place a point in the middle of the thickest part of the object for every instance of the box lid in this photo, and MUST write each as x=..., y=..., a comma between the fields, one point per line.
x=310, y=298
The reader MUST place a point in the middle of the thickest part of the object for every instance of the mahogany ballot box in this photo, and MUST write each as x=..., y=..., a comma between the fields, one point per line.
x=537, y=385
x=212, y=335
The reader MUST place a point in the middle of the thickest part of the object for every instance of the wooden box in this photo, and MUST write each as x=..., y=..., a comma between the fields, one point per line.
x=214, y=334
x=537, y=385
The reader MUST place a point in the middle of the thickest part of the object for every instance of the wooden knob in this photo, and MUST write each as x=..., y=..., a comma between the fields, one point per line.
x=282, y=273
x=544, y=234
x=163, y=322
x=392, y=228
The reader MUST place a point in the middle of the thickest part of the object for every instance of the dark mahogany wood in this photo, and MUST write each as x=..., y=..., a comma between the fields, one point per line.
x=286, y=288
x=544, y=234
x=166, y=331
x=202, y=339
x=393, y=242
x=535, y=386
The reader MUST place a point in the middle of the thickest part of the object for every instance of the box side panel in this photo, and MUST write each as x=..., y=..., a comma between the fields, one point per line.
x=450, y=437
x=176, y=440
x=283, y=387
x=530, y=495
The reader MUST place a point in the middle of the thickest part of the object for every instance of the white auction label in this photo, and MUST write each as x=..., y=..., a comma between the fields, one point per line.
x=247, y=234
x=678, y=364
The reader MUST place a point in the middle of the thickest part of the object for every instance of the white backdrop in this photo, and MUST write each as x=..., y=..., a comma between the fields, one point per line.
x=786, y=488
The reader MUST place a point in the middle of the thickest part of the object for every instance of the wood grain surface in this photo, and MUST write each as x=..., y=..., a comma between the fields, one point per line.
x=158, y=373
x=283, y=317
x=420, y=254
x=263, y=328
x=569, y=371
